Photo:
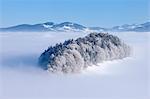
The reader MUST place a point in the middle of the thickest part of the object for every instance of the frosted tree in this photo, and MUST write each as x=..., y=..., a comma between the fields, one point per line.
x=75, y=55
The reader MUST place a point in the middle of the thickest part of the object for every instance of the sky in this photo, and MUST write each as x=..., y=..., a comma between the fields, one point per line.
x=103, y=13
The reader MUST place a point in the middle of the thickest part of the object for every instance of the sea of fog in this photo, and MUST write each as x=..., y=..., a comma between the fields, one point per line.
x=21, y=77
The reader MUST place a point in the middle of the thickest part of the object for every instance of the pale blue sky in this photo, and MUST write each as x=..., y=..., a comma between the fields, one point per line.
x=104, y=13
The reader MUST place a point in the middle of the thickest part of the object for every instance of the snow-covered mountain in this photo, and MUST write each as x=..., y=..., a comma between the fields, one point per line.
x=67, y=26
x=48, y=26
x=70, y=26
x=145, y=27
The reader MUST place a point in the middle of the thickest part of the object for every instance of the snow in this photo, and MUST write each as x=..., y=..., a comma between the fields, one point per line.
x=67, y=27
x=47, y=26
x=21, y=78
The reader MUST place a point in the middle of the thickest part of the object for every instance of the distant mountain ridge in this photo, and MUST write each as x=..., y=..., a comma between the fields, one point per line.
x=48, y=26
x=145, y=27
x=70, y=26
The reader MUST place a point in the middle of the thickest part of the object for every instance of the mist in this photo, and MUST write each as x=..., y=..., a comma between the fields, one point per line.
x=21, y=77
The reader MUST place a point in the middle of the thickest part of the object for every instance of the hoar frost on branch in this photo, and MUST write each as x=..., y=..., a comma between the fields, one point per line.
x=75, y=55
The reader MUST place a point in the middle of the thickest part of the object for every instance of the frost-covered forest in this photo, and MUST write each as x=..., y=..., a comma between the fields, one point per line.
x=76, y=55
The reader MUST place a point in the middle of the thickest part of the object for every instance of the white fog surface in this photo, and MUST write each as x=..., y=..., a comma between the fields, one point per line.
x=21, y=78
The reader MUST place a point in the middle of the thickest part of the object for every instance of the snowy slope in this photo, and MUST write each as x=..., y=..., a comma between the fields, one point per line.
x=21, y=78
x=44, y=27
x=133, y=27
x=75, y=27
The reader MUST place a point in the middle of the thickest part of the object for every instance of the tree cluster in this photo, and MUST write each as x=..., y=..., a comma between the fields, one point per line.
x=75, y=55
